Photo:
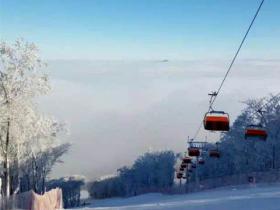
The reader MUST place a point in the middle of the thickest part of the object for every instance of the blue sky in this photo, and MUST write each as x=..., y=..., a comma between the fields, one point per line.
x=146, y=29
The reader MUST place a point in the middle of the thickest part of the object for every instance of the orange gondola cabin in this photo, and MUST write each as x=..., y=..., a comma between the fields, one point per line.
x=183, y=165
x=201, y=161
x=193, y=151
x=216, y=121
x=255, y=131
x=186, y=160
x=214, y=153
x=179, y=175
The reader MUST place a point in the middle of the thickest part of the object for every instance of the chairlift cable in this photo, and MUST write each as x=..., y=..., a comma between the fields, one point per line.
x=231, y=64
x=237, y=52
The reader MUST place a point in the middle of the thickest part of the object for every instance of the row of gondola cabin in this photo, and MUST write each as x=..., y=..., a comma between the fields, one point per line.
x=219, y=121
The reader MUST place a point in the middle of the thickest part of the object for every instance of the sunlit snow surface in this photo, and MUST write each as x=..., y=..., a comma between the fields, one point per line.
x=260, y=197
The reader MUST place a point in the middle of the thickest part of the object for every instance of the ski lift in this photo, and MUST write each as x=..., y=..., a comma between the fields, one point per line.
x=193, y=151
x=183, y=165
x=201, y=161
x=216, y=121
x=255, y=131
x=214, y=153
x=187, y=160
x=181, y=168
x=179, y=175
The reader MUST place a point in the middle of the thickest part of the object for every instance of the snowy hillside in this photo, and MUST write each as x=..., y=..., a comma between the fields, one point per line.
x=260, y=197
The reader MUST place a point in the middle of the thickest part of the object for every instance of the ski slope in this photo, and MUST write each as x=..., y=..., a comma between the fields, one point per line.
x=260, y=197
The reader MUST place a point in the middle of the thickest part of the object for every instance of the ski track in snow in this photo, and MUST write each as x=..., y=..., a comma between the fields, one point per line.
x=260, y=197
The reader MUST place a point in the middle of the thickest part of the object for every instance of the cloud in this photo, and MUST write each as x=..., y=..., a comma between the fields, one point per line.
x=119, y=109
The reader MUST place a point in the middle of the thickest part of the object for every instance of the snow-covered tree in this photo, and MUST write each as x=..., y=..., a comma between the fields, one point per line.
x=24, y=132
x=151, y=172
x=34, y=171
x=241, y=156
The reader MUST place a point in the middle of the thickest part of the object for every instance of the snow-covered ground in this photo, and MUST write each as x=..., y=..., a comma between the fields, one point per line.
x=260, y=197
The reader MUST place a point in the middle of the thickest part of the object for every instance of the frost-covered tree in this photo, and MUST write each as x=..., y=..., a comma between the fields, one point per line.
x=24, y=132
x=151, y=172
x=154, y=171
x=34, y=171
x=241, y=156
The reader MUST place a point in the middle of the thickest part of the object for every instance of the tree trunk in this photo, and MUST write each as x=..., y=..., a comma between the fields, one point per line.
x=44, y=182
x=6, y=180
x=34, y=174
x=17, y=174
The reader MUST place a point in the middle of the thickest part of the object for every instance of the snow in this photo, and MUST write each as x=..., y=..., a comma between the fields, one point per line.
x=246, y=197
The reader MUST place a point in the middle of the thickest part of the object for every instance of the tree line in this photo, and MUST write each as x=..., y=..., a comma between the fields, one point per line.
x=151, y=172
x=154, y=172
